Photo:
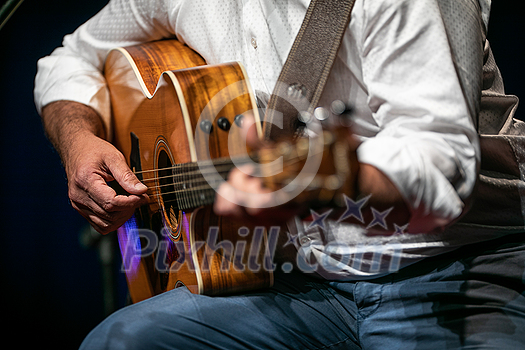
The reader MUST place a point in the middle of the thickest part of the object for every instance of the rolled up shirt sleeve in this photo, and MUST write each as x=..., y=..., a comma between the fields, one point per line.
x=427, y=142
x=74, y=71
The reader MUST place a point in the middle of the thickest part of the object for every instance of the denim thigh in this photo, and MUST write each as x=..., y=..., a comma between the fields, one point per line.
x=472, y=298
x=297, y=313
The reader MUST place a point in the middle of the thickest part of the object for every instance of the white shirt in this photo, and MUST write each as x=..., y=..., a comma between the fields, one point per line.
x=395, y=67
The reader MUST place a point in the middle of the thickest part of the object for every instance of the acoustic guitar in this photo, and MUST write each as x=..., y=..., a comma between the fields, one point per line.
x=178, y=123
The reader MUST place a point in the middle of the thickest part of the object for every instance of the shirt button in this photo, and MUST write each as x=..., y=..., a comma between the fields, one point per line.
x=254, y=43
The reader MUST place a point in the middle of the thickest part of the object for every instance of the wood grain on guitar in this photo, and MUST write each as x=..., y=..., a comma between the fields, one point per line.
x=177, y=121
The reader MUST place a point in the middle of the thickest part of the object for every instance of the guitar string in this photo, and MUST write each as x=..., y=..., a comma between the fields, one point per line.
x=195, y=192
x=199, y=170
x=213, y=162
x=191, y=173
x=218, y=161
x=217, y=164
x=203, y=185
x=202, y=176
x=195, y=198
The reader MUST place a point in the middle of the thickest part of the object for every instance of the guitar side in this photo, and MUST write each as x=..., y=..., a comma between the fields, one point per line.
x=164, y=101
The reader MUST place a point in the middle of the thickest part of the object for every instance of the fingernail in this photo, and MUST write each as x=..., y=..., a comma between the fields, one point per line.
x=140, y=186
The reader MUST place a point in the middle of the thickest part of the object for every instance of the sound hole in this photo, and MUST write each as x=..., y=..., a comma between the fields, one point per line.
x=167, y=188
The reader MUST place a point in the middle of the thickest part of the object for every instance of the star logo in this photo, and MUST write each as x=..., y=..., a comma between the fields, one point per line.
x=319, y=219
x=400, y=230
x=292, y=239
x=379, y=218
x=354, y=208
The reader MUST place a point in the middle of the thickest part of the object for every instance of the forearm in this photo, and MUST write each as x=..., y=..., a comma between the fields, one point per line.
x=384, y=195
x=67, y=121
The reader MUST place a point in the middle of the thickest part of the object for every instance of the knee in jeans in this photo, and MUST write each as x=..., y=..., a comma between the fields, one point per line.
x=122, y=330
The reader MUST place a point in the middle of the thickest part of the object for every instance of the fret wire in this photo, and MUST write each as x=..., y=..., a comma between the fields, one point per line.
x=176, y=187
x=192, y=199
x=184, y=193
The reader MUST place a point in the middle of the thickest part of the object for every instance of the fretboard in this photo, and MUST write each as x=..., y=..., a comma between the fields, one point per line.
x=195, y=184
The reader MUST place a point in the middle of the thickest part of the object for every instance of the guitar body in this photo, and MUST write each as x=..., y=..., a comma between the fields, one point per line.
x=166, y=104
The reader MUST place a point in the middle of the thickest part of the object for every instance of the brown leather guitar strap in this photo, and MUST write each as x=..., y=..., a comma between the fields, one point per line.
x=307, y=67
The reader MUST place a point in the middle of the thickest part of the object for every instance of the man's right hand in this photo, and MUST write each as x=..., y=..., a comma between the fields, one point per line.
x=90, y=162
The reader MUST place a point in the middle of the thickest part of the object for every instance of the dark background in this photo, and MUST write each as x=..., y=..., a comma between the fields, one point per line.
x=52, y=289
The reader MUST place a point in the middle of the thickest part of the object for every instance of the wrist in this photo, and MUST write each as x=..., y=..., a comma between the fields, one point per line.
x=69, y=124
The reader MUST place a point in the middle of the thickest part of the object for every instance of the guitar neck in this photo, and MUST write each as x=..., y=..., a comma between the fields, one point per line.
x=194, y=184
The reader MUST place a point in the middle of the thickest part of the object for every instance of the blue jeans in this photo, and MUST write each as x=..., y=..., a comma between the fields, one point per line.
x=473, y=298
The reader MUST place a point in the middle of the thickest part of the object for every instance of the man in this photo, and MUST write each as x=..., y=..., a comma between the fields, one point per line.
x=391, y=280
